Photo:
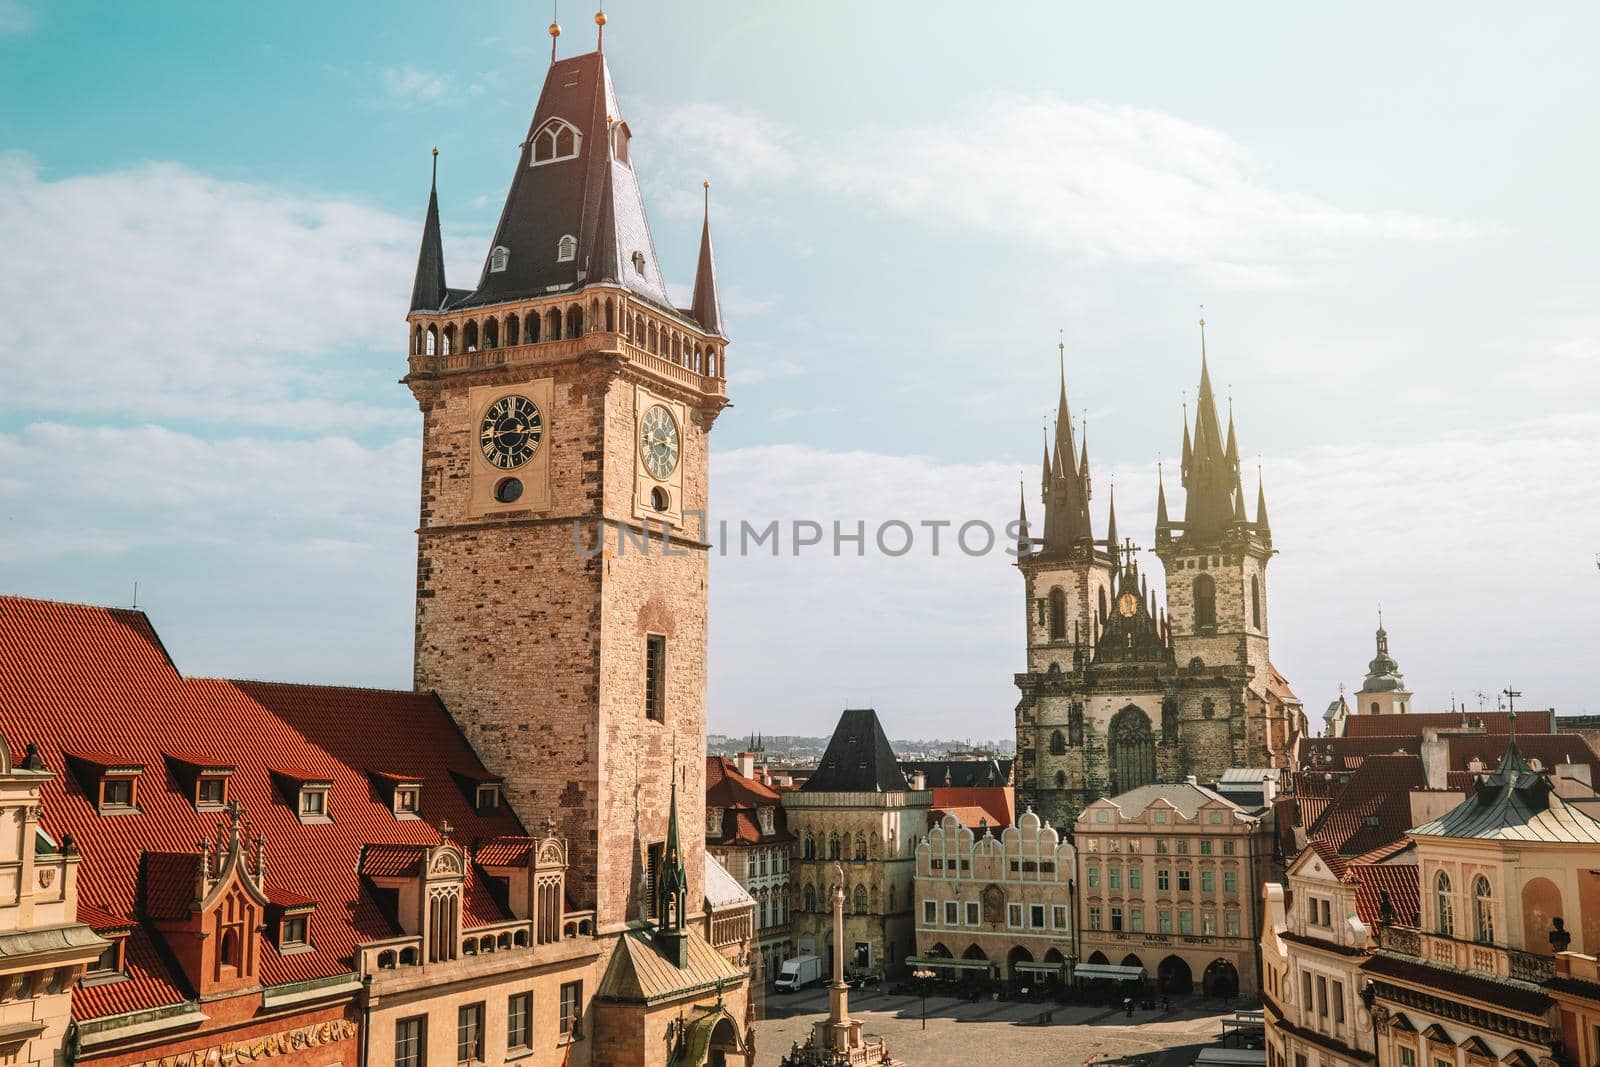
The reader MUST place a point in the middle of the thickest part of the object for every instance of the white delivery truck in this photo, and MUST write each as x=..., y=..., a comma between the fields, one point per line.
x=797, y=973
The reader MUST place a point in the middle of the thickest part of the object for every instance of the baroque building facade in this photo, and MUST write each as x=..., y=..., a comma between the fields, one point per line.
x=747, y=832
x=996, y=905
x=1167, y=881
x=857, y=812
x=1120, y=692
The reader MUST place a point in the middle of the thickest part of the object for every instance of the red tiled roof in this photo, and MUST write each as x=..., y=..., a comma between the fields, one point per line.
x=973, y=805
x=283, y=898
x=90, y=679
x=741, y=799
x=392, y=861
x=505, y=851
x=1496, y=723
x=103, y=922
x=727, y=788
x=102, y=758
x=1372, y=880
x=1373, y=808
x=196, y=759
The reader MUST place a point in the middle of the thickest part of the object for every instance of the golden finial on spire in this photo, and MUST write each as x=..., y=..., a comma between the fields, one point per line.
x=600, y=32
x=555, y=27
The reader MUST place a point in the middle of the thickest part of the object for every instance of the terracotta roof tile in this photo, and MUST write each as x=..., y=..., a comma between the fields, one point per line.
x=97, y=680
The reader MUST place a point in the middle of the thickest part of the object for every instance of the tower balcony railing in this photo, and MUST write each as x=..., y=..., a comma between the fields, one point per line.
x=566, y=348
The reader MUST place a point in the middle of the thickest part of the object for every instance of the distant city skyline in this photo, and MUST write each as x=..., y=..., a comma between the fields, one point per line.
x=1404, y=323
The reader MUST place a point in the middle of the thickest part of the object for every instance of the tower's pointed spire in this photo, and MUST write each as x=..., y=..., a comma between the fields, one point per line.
x=1083, y=462
x=555, y=32
x=1111, y=528
x=1023, y=540
x=706, y=305
x=428, y=290
x=600, y=30
x=1163, y=524
x=1188, y=449
x=1233, y=439
x=1066, y=516
x=1263, y=528
x=1044, y=481
x=1213, y=501
x=1238, y=506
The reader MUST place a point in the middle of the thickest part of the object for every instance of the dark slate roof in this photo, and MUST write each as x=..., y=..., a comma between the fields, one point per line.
x=706, y=306
x=960, y=774
x=591, y=196
x=428, y=291
x=1514, y=804
x=858, y=758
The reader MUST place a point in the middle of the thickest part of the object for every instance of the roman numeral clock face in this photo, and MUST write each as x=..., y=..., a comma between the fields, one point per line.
x=511, y=431
x=658, y=442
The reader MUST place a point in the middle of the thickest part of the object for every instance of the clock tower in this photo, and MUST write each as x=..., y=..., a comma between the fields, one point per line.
x=566, y=407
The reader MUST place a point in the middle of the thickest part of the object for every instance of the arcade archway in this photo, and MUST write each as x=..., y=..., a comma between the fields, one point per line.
x=1173, y=976
x=1221, y=979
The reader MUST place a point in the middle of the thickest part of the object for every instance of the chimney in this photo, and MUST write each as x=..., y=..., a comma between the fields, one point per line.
x=1435, y=760
x=747, y=764
x=919, y=781
x=1573, y=779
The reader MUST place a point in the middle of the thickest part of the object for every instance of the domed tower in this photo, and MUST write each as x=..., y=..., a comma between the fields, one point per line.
x=1384, y=691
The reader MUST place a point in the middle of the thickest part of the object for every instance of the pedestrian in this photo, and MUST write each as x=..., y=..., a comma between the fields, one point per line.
x=1127, y=1003
x=1166, y=1002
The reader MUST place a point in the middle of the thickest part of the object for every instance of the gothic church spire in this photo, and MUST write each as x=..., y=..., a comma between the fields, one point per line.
x=428, y=291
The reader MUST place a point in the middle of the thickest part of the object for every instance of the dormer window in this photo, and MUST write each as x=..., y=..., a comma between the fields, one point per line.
x=764, y=816
x=204, y=778
x=403, y=793
x=211, y=792
x=109, y=779
x=713, y=820
x=567, y=249
x=620, y=136
x=488, y=798
x=307, y=792
x=638, y=263
x=499, y=256
x=294, y=931
x=111, y=961
x=407, y=800
x=556, y=140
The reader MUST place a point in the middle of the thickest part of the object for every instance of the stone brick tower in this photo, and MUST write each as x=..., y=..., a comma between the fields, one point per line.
x=566, y=409
x=1119, y=695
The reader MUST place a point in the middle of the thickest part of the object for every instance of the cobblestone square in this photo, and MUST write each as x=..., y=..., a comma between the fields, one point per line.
x=1000, y=1033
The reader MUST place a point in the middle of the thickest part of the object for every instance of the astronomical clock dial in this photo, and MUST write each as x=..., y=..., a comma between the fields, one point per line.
x=1128, y=604
x=511, y=431
x=658, y=442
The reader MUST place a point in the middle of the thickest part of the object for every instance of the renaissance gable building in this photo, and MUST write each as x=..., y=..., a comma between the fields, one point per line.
x=1120, y=692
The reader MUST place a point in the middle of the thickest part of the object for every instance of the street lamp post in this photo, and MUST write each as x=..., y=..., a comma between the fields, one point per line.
x=922, y=977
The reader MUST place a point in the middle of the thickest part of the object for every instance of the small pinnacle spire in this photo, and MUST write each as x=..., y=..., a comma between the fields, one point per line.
x=1022, y=520
x=1262, y=526
x=428, y=288
x=1111, y=528
x=706, y=303
x=1163, y=524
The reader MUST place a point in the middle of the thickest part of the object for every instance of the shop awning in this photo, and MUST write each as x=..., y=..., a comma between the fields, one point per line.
x=1040, y=968
x=1103, y=970
x=947, y=962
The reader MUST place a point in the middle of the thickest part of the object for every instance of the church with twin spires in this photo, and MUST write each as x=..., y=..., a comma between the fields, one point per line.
x=1121, y=691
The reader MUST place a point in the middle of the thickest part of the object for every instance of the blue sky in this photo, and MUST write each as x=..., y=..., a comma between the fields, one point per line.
x=213, y=211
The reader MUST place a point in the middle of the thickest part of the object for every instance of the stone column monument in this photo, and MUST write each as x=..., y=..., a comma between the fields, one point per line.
x=838, y=1032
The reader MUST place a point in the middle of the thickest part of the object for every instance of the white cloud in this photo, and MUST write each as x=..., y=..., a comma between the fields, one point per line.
x=161, y=292
x=770, y=370
x=1476, y=592
x=106, y=490
x=1093, y=181
x=411, y=85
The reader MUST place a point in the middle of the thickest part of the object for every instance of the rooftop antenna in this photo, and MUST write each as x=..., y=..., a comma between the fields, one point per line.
x=136, y=594
x=1511, y=713
x=555, y=28
x=1482, y=696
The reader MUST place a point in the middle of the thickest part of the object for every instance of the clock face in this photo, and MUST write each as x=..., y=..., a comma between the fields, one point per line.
x=658, y=442
x=511, y=431
x=1128, y=604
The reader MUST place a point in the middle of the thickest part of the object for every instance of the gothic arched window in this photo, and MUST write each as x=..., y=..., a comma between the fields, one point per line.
x=861, y=848
x=567, y=249
x=861, y=900
x=557, y=139
x=811, y=847
x=811, y=898
x=1133, y=750
x=1061, y=779
x=1058, y=744
x=1483, y=898
x=1205, y=601
x=1444, y=919
x=1058, y=615
x=1255, y=602
x=833, y=846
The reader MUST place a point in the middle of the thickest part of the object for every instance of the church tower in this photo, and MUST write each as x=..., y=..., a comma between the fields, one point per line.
x=566, y=406
x=1383, y=691
x=1216, y=577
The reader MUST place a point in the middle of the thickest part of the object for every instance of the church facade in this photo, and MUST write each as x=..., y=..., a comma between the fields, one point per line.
x=1119, y=691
